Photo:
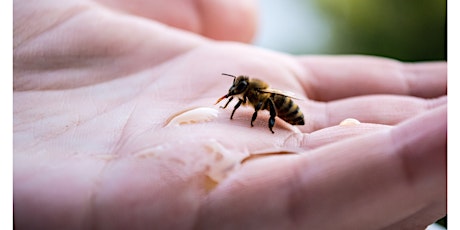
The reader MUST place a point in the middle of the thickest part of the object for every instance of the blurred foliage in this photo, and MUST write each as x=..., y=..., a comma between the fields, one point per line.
x=408, y=30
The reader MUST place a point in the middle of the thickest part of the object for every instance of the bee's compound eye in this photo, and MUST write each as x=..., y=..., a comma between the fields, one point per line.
x=241, y=86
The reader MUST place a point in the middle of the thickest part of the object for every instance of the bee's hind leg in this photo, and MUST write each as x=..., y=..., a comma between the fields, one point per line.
x=271, y=120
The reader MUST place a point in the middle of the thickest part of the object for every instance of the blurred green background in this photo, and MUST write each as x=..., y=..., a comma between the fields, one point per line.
x=407, y=30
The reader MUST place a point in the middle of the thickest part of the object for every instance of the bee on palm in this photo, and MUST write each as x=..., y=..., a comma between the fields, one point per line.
x=260, y=96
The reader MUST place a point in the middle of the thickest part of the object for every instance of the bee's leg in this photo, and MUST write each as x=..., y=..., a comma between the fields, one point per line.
x=271, y=120
x=254, y=115
x=226, y=104
x=236, y=107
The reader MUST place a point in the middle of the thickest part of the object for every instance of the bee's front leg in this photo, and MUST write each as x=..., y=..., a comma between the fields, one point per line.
x=226, y=104
x=236, y=107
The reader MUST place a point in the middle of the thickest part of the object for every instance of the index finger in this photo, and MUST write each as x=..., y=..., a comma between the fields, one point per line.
x=336, y=77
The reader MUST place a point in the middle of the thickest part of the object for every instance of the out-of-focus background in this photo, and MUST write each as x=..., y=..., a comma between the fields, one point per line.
x=408, y=30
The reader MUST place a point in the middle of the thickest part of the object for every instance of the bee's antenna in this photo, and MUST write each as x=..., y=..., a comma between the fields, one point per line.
x=228, y=75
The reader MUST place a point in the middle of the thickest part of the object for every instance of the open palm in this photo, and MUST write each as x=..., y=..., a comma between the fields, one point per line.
x=95, y=92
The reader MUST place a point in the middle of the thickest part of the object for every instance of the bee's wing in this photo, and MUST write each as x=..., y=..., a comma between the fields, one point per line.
x=281, y=92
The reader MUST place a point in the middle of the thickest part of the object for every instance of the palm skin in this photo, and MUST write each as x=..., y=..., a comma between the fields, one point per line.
x=94, y=89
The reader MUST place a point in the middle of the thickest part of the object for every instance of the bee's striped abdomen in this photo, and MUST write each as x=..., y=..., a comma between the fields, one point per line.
x=288, y=110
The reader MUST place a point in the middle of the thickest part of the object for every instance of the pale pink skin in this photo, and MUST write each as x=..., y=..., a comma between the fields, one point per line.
x=95, y=82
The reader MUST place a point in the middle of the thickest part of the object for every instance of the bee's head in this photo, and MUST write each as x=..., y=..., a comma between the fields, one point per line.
x=240, y=85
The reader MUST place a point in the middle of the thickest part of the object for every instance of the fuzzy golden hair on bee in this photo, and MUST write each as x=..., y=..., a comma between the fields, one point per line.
x=258, y=94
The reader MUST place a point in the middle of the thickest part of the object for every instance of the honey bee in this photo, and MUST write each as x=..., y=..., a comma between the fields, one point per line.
x=259, y=95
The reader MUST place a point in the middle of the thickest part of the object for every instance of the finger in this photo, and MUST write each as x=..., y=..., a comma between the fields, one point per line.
x=382, y=177
x=421, y=219
x=340, y=77
x=239, y=25
x=201, y=17
x=380, y=109
x=75, y=46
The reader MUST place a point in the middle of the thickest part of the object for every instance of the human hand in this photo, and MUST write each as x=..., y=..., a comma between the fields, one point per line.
x=95, y=89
